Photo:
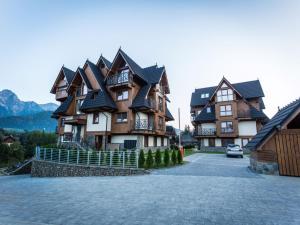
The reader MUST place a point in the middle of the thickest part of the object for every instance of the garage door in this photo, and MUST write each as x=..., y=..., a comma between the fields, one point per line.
x=288, y=152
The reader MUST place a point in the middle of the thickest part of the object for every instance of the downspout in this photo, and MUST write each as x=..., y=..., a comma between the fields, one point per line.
x=105, y=143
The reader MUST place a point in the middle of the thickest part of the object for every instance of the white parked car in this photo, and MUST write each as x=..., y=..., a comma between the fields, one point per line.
x=234, y=150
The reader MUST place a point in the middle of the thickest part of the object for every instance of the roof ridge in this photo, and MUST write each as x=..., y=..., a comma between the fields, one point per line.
x=290, y=104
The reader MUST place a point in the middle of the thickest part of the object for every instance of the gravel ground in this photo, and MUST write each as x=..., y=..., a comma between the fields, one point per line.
x=210, y=189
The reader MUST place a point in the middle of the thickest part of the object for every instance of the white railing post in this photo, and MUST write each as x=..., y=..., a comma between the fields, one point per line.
x=88, y=159
x=77, y=160
x=110, y=158
x=137, y=158
x=59, y=155
x=99, y=158
x=44, y=154
x=51, y=153
x=123, y=156
x=68, y=156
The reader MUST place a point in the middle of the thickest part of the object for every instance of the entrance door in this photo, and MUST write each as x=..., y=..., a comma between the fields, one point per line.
x=98, y=141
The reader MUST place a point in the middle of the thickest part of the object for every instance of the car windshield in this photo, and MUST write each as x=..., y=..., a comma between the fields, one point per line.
x=233, y=146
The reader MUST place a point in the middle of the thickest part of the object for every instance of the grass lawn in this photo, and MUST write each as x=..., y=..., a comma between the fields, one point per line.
x=188, y=152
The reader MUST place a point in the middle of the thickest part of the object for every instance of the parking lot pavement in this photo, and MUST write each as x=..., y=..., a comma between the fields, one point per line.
x=203, y=164
x=220, y=191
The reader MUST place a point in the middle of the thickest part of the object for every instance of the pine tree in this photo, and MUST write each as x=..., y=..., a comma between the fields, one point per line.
x=174, y=157
x=166, y=157
x=149, y=161
x=141, y=159
x=179, y=157
x=158, y=157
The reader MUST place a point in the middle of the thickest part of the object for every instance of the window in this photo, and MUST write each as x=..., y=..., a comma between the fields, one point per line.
x=208, y=110
x=146, y=141
x=225, y=110
x=205, y=95
x=122, y=117
x=226, y=127
x=160, y=123
x=95, y=118
x=245, y=141
x=122, y=95
x=62, y=122
x=123, y=76
x=94, y=94
x=160, y=104
x=224, y=95
x=78, y=105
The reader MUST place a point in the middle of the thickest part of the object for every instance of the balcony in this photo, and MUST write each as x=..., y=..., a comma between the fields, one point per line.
x=76, y=119
x=205, y=132
x=61, y=94
x=117, y=80
x=144, y=125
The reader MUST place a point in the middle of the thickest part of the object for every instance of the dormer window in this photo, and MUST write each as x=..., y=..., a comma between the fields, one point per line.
x=224, y=95
x=94, y=94
x=208, y=110
x=205, y=95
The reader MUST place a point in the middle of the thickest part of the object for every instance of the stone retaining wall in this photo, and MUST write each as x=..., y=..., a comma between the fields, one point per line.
x=270, y=168
x=52, y=169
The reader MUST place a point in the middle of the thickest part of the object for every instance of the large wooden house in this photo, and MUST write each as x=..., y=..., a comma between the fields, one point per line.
x=227, y=113
x=112, y=105
x=276, y=147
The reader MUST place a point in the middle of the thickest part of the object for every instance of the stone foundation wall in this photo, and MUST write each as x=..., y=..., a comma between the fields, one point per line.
x=270, y=168
x=52, y=169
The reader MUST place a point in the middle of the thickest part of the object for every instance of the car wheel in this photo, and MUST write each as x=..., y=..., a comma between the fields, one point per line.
x=242, y=156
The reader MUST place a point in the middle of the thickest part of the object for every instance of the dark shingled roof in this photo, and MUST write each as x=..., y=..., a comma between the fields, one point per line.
x=84, y=77
x=257, y=114
x=102, y=97
x=153, y=74
x=169, y=115
x=68, y=73
x=205, y=116
x=106, y=62
x=280, y=117
x=63, y=107
x=133, y=65
x=249, y=89
x=96, y=100
x=140, y=100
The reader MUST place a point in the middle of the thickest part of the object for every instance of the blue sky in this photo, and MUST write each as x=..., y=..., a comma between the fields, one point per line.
x=197, y=41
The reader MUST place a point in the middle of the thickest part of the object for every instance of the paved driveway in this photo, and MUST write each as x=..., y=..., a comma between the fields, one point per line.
x=211, y=189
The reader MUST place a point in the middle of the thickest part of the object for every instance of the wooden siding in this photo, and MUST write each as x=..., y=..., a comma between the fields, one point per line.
x=288, y=152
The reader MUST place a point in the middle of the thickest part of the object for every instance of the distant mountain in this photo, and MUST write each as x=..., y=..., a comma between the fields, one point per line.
x=38, y=121
x=48, y=106
x=11, y=105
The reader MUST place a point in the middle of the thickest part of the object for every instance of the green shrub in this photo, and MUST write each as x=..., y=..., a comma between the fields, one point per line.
x=166, y=157
x=141, y=159
x=102, y=156
x=179, y=157
x=158, y=157
x=174, y=157
x=149, y=161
